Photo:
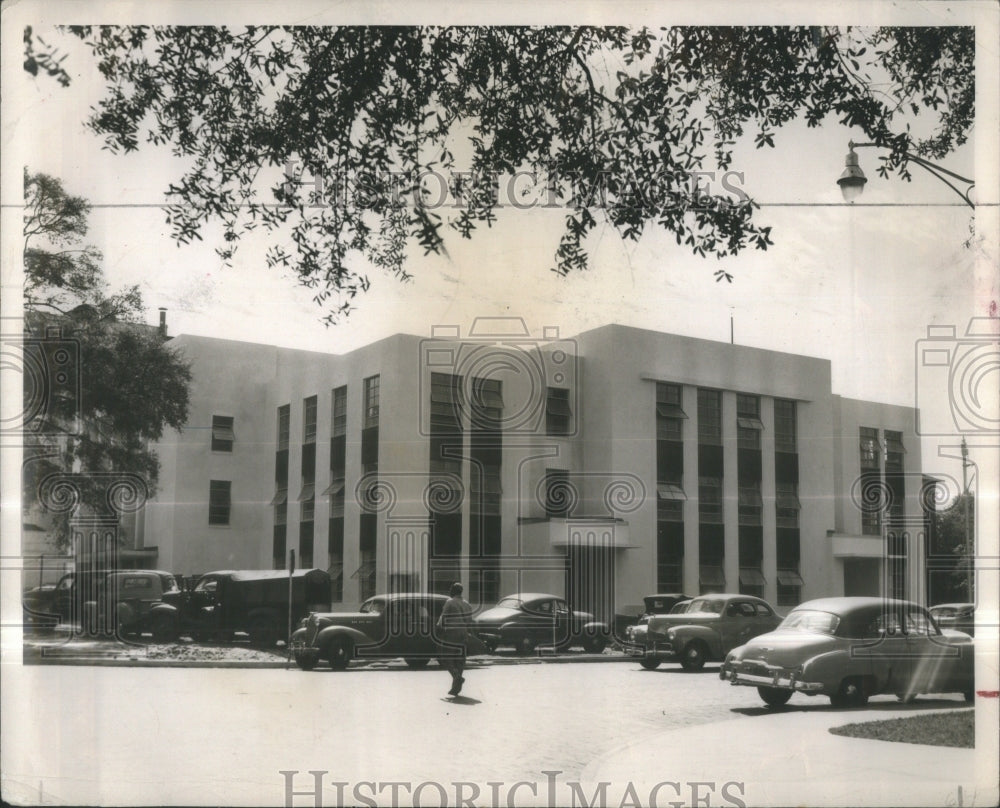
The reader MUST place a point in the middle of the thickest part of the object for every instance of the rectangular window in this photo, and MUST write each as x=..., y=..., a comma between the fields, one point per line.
x=558, y=412
x=748, y=423
x=709, y=417
x=784, y=426
x=870, y=448
x=710, y=500
x=446, y=403
x=284, y=420
x=278, y=543
x=335, y=550
x=307, y=510
x=366, y=573
x=751, y=505
x=487, y=404
x=222, y=433
x=369, y=450
x=309, y=420
x=669, y=557
x=789, y=587
x=339, y=411
x=787, y=504
x=305, y=544
x=219, y=501
x=371, y=386
x=669, y=414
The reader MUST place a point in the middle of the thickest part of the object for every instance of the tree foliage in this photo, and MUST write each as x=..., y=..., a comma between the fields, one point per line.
x=952, y=539
x=616, y=121
x=119, y=384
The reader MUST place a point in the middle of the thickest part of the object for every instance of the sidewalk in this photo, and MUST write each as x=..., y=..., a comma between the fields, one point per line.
x=789, y=757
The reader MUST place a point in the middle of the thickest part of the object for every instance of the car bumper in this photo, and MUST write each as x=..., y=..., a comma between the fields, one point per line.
x=663, y=650
x=302, y=651
x=779, y=678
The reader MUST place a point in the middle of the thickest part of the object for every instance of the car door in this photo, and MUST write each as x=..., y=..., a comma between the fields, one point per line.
x=738, y=624
x=563, y=627
x=539, y=619
x=933, y=661
x=890, y=652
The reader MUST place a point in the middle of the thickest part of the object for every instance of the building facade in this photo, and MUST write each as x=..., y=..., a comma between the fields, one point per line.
x=601, y=468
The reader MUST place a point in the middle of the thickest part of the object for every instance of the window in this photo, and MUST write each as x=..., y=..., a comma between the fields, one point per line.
x=710, y=500
x=748, y=423
x=751, y=582
x=284, y=416
x=308, y=472
x=487, y=403
x=278, y=546
x=557, y=411
x=307, y=510
x=710, y=417
x=339, y=412
x=335, y=550
x=789, y=587
x=669, y=557
x=219, y=501
x=306, y=542
x=446, y=403
x=784, y=426
x=222, y=433
x=309, y=420
x=750, y=505
x=366, y=572
x=371, y=401
x=894, y=451
x=787, y=504
x=669, y=414
x=870, y=448
x=485, y=490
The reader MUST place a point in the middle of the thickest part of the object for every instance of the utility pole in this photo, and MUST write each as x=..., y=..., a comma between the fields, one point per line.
x=970, y=567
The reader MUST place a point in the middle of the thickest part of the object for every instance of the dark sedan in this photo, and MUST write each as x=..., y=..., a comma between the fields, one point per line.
x=530, y=619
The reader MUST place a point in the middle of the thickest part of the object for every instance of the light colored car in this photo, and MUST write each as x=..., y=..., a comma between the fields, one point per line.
x=851, y=648
x=705, y=631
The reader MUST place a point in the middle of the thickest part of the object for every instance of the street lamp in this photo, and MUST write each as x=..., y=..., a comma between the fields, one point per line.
x=852, y=181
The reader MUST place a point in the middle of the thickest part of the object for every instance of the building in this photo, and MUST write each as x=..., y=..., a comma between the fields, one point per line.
x=602, y=467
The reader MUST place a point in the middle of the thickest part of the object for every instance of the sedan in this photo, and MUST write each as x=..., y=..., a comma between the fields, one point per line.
x=527, y=619
x=851, y=648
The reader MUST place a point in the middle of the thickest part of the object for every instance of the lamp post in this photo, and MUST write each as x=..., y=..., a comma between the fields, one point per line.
x=852, y=181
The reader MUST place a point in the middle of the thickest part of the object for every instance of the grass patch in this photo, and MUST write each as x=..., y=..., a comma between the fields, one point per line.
x=954, y=728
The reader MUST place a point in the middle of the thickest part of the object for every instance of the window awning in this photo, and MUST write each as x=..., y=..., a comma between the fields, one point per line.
x=711, y=576
x=789, y=578
x=750, y=497
x=557, y=406
x=669, y=410
x=894, y=444
x=749, y=423
x=223, y=433
x=334, y=488
x=670, y=491
x=308, y=492
x=280, y=497
x=336, y=572
x=751, y=577
x=366, y=569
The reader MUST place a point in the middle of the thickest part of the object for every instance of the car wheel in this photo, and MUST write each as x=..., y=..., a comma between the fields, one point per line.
x=417, y=662
x=594, y=643
x=263, y=632
x=525, y=646
x=693, y=658
x=649, y=663
x=339, y=653
x=851, y=694
x=305, y=661
x=163, y=628
x=774, y=696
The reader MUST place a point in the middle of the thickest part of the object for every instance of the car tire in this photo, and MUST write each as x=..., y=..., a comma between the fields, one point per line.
x=305, y=662
x=693, y=656
x=774, y=696
x=263, y=632
x=339, y=653
x=851, y=694
x=594, y=643
x=525, y=645
x=163, y=628
x=649, y=663
x=416, y=663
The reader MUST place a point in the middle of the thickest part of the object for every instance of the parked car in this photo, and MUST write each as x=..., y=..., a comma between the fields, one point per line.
x=661, y=604
x=134, y=602
x=709, y=627
x=528, y=619
x=74, y=589
x=852, y=648
x=384, y=627
x=254, y=602
x=38, y=607
x=958, y=616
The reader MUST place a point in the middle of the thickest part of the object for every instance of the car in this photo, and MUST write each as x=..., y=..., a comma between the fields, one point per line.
x=526, y=620
x=384, y=627
x=661, y=604
x=38, y=607
x=134, y=602
x=709, y=627
x=850, y=648
x=958, y=616
x=252, y=602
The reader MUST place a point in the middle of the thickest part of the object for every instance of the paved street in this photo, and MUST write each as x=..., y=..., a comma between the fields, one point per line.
x=223, y=736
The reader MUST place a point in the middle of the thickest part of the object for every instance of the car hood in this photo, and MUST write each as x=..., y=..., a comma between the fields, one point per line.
x=496, y=615
x=786, y=648
x=661, y=622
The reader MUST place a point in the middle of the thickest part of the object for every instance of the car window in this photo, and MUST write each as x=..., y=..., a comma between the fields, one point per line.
x=209, y=585
x=132, y=583
x=763, y=610
x=811, y=621
x=706, y=605
x=65, y=583
x=885, y=624
x=918, y=623
x=561, y=606
x=373, y=606
x=510, y=603
x=539, y=607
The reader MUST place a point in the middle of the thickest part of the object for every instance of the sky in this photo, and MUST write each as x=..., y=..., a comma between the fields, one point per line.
x=856, y=284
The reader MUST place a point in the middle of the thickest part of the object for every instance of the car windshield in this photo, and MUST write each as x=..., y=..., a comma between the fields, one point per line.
x=373, y=607
x=706, y=606
x=509, y=603
x=809, y=620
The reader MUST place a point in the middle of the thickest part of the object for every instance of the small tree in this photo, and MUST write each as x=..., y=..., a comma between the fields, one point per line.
x=954, y=537
x=127, y=384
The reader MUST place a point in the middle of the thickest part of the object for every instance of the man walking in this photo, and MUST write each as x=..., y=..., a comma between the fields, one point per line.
x=453, y=624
